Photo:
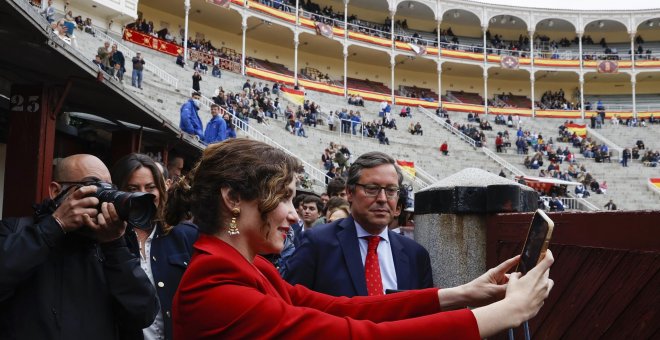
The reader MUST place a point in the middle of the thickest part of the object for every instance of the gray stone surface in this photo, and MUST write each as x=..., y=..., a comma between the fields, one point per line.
x=456, y=244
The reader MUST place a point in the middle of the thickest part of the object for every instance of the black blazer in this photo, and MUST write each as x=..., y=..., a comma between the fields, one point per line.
x=329, y=261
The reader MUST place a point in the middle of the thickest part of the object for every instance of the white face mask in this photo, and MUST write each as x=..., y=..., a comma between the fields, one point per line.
x=197, y=102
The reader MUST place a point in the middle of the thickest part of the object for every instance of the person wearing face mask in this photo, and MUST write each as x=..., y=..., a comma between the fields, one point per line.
x=190, y=121
x=164, y=249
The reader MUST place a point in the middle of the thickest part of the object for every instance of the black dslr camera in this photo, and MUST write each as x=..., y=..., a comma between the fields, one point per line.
x=136, y=208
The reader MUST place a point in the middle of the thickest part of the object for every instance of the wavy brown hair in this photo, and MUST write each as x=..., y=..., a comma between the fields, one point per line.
x=252, y=170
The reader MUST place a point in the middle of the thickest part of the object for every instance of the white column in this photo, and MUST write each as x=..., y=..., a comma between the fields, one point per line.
x=186, y=5
x=632, y=48
x=484, y=29
x=485, y=91
x=580, y=35
x=244, y=28
x=582, y=94
x=633, y=82
x=392, y=64
x=345, y=20
x=439, y=84
x=345, y=70
x=392, y=12
x=296, y=42
x=532, y=81
x=297, y=12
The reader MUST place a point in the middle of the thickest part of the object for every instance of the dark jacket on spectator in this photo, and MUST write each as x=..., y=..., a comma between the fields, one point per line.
x=57, y=286
x=170, y=256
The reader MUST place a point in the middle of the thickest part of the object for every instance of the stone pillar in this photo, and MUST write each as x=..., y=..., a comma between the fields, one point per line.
x=485, y=90
x=296, y=42
x=581, y=79
x=633, y=82
x=244, y=29
x=450, y=220
x=439, y=84
x=532, y=81
x=392, y=65
x=345, y=71
x=186, y=5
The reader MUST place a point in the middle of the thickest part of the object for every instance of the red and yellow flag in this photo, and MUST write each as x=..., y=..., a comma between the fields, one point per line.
x=408, y=167
x=580, y=130
x=294, y=96
x=655, y=182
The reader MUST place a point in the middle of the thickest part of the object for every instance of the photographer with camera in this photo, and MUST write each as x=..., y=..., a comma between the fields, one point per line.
x=67, y=272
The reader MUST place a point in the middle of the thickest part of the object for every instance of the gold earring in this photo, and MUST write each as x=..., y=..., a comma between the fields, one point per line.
x=233, y=226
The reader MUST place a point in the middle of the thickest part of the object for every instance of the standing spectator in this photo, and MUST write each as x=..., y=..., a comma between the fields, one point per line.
x=190, y=121
x=104, y=53
x=117, y=58
x=444, y=148
x=49, y=12
x=196, y=78
x=625, y=157
x=216, y=128
x=610, y=205
x=138, y=66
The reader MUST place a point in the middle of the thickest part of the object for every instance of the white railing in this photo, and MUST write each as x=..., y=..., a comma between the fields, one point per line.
x=449, y=127
x=612, y=146
x=571, y=203
x=426, y=176
x=312, y=171
x=499, y=160
x=585, y=203
x=149, y=66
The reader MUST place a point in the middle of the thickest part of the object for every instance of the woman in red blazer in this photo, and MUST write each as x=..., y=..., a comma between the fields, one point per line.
x=241, y=200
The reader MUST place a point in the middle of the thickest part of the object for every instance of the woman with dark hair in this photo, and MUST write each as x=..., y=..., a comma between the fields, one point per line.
x=164, y=249
x=241, y=197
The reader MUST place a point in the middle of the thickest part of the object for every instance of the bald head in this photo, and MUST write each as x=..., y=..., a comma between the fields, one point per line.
x=78, y=167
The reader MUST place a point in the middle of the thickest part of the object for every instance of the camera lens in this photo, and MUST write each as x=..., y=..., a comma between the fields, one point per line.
x=136, y=208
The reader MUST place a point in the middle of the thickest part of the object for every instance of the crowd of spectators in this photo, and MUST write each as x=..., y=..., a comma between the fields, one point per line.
x=556, y=101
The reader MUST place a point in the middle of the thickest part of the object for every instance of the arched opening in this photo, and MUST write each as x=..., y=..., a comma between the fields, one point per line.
x=415, y=77
x=320, y=59
x=507, y=35
x=462, y=83
x=647, y=41
x=369, y=17
x=647, y=96
x=606, y=40
x=270, y=46
x=461, y=30
x=509, y=88
x=555, y=38
x=368, y=70
x=614, y=91
x=414, y=22
x=555, y=90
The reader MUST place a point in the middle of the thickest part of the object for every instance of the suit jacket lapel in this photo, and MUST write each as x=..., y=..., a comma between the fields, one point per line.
x=401, y=262
x=348, y=241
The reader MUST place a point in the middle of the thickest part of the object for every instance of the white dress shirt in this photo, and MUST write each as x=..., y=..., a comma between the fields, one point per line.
x=385, y=258
x=157, y=329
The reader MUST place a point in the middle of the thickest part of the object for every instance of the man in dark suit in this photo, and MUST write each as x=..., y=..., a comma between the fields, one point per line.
x=358, y=255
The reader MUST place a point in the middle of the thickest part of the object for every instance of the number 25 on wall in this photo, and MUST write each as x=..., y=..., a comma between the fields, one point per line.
x=19, y=104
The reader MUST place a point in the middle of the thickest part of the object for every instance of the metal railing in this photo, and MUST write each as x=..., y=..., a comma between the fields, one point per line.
x=499, y=160
x=449, y=127
x=586, y=205
x=571, y=203
x=427, y=177
x=313, y=172
x=148, y=66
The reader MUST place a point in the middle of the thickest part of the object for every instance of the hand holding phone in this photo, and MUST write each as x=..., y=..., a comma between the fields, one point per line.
x=536, y=244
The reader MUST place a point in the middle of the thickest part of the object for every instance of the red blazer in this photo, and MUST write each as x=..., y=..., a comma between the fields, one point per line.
x=223, y=296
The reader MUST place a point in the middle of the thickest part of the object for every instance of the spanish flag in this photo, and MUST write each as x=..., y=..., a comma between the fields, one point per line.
x=655, y=182
x=580, y=130
x=294, y=96
x=408, y=167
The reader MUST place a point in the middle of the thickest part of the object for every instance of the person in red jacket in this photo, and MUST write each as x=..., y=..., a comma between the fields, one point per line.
x=444, y=148
x=241, y=198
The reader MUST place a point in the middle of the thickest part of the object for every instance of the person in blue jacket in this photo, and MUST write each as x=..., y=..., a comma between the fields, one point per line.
x=216, y=128
x=190, y=121
x=165, y=248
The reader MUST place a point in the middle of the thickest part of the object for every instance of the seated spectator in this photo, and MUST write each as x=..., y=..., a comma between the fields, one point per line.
x=444, y=148
x=640, y=144
x=418, y=129
x=179, y=60
x=603, y=187
x=98, y=62
x=382, y=139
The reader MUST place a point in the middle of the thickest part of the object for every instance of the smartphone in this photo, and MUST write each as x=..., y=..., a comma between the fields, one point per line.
x=538, y=239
